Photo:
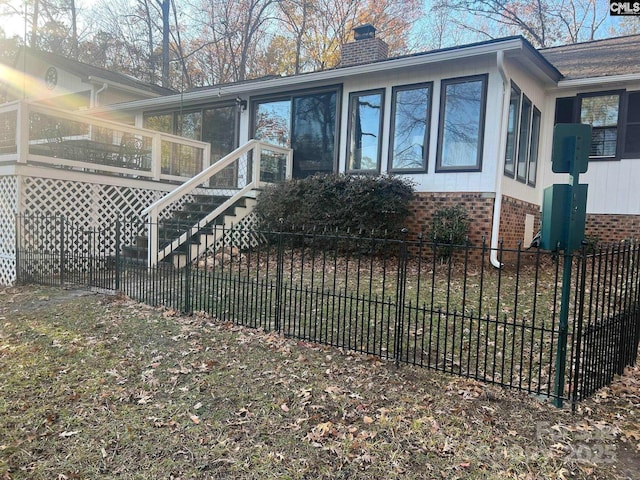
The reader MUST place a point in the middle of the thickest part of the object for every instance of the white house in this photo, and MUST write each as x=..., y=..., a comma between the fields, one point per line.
x=469, y=125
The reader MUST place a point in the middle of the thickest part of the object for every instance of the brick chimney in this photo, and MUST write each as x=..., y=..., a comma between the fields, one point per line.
x=365, y=48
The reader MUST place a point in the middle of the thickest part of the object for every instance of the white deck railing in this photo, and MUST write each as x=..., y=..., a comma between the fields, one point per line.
x=36, y=134
x=250, y=170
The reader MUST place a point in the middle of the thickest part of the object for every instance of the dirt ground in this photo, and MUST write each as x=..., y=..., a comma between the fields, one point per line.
x=98, y=386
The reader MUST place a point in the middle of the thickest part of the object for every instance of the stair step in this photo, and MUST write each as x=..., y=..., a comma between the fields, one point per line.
x=182, y=221
x=209, y=199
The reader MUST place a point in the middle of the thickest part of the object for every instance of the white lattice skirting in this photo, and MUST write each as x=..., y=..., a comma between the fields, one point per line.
x=89, y=205
x=8, y=206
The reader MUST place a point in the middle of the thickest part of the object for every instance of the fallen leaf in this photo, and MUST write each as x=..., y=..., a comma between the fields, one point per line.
x=195, y=419
x=69, y=434
x=284, y=407
x=367, y=419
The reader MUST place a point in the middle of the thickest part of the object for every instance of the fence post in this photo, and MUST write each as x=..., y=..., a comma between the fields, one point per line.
x=91, y=256
x=117, y=279
x=563, y=327
x=578, y=381
x=400, y=295
x=62, y=250
x=187, y=283
x=279, y=277
x=17, y=236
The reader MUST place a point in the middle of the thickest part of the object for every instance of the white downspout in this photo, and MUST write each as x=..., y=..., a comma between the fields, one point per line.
x=497, y=205
x=98, y=92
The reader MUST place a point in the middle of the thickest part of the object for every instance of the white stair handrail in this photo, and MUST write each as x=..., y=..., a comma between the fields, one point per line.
x=155, y=255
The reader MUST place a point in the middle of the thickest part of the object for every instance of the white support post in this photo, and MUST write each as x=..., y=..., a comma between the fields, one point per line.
x=206, y=161
x=152, y=238
x=289, y=174
x=156, y=157
x=257, y=158
x=22, y=132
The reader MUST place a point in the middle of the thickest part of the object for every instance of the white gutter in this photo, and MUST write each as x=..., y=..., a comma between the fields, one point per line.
x=325, y=75
x=120, y=86
x=497, y=203
x=98, y=92
x=597, y=81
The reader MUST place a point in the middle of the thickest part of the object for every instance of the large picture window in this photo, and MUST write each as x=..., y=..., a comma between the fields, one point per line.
x=365, y=131
x=306, y=123
x=411, y=110
x=461, y=129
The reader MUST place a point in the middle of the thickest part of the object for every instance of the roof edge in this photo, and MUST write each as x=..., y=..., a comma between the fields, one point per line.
x=513, y=43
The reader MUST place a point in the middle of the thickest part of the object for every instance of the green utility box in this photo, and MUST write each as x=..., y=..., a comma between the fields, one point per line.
x=557, y=213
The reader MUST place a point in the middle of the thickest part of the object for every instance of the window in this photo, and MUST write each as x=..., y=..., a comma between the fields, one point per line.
x=411, y=110
x=533, y=150
x=365, y=131
x=632, y=134
x=462, y=105
x=273, y=122
x=523, y=135
x=306, y=122
x=512, y=132
x=600, y=110
x=523, y=140
x=216, y=124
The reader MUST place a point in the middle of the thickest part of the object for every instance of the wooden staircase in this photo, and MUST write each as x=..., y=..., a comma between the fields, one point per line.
x=182, y=221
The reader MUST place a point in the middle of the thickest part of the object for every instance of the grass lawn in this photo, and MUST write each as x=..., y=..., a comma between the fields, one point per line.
x=95, y=386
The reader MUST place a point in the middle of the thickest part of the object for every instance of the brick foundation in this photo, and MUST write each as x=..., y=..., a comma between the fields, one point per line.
x=479, y=207
x=613, y=228
x=607, y=228
x=512, y=220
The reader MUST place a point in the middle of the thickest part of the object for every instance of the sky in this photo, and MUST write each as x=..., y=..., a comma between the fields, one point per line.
x=15, y=25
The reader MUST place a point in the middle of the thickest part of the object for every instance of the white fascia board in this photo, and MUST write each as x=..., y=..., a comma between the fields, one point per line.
x=119, y=86
x=599, y=81
x=322, y=76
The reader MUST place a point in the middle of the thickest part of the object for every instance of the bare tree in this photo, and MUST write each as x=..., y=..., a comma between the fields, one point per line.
x=543, y=22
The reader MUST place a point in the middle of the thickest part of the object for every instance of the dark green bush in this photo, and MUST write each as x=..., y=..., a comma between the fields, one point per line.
x=450, y=227
x=358, y=204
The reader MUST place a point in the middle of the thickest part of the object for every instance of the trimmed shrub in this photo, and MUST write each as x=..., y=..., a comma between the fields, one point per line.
x=450, y=227
x=348, y=203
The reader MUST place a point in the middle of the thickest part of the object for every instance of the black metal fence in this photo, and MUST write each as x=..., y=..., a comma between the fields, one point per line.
x=397, y=299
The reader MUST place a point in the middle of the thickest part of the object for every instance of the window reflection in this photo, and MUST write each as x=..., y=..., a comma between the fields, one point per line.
x=523, y=142
x=305, y=123
x=512, y=129
x=601, y=112
x=273, y=122
x=410, y=128
x=313, y=136
x=461, y=124
x=533, y=152
x=365, y=112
